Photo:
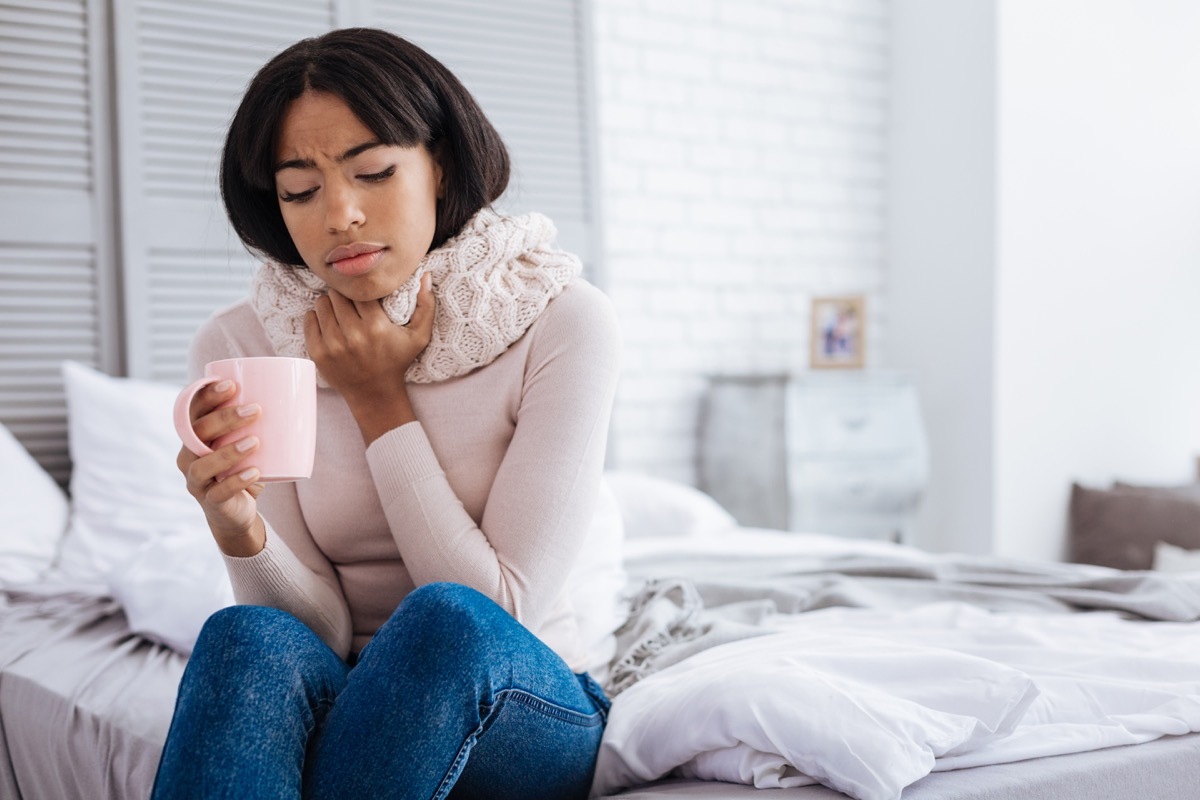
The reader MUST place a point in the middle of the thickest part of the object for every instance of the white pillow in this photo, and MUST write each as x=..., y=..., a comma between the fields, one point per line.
x=134, y=526
x=33, y=513
x=171, y=587
x=1169, y=558
x=653, y=506
x=125, y=487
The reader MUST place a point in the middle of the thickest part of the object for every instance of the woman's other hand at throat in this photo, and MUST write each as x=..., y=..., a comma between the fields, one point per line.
x=364, y=356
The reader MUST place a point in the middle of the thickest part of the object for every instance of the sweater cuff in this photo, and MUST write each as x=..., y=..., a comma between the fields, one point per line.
x=270, y=572
x=400, y=458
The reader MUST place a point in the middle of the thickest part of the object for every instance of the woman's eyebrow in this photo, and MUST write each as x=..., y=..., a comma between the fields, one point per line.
x=308, y=163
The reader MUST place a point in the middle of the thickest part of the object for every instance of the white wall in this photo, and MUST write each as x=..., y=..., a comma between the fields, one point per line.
x=743, y=169
x=1099, y=286
x=1044, y=254
x=941, y=257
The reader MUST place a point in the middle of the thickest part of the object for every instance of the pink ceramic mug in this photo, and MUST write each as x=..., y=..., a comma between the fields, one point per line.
x=286, y=390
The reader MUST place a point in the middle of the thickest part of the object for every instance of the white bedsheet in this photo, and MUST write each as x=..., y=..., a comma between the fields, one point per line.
x=1102, y=680
x=867, y=701
x=858, y=713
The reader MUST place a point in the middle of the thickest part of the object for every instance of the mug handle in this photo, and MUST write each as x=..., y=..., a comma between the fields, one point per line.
x=183, y=416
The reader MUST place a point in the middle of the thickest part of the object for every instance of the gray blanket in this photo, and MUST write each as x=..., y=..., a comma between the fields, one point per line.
x=685, y=603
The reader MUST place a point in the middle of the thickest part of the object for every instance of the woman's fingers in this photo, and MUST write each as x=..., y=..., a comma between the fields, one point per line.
x=422, y=318
x=327, y=323
x=210, y=397
x=312, y=330
x=345, y=310
x=211, y=421
x=225, y=489
x=184, y=460
x=356, y=346
x=335, y=312
x=335, y=315
x=225, y=420
x=216, y=479
x=205, y=471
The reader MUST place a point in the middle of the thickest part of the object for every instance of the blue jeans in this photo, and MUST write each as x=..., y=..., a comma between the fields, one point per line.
x=452, y=698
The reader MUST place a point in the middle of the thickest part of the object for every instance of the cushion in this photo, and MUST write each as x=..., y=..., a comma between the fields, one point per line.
x=1120, y=527
x=1169, y=558
x=134, y=527
x=1188, y=491
x=125, y=487
x=653, y=506
x=171, y=586
x=33, y=513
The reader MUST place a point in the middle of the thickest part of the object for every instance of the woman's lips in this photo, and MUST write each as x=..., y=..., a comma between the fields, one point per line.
x=354, y=265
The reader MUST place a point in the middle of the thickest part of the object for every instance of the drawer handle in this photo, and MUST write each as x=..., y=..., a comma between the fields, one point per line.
x=855, y=423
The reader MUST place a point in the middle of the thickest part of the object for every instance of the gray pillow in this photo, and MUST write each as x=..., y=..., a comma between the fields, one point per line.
x=1119, y=527
x=1188, y=491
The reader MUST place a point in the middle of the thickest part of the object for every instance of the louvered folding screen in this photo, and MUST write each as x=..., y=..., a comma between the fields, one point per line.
x=526, y=62
x=56, y=232
x=181, y=68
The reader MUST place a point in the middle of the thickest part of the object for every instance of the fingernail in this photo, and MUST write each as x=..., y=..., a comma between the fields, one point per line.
x=245, y=444
x=248, y=410
x=223, y=386
x=249, y=475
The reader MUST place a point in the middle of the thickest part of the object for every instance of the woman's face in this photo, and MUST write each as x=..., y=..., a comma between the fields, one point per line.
x=361, y=213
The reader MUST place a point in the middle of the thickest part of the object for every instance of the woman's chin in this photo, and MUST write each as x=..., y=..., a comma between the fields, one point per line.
x=364, y=288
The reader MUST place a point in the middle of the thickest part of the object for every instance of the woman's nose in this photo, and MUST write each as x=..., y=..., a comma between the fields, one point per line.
x=342, y=208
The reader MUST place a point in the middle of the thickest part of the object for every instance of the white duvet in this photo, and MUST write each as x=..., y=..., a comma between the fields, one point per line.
x=869, y=701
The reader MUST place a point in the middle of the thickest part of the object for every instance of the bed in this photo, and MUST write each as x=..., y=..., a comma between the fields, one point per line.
x=894, y=596
x=746, y=662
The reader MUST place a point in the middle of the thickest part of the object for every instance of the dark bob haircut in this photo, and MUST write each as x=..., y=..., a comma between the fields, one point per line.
x=401, y=93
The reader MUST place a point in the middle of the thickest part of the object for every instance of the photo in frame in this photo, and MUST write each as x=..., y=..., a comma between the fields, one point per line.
x=838, y=337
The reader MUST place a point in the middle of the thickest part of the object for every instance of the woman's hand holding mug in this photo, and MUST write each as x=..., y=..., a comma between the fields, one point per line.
x=249, y=421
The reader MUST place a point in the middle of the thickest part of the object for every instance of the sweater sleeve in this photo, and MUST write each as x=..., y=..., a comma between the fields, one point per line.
x=290, y=572
x=542, y=499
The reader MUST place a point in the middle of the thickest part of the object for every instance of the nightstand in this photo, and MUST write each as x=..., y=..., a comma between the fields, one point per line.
x=841, y=453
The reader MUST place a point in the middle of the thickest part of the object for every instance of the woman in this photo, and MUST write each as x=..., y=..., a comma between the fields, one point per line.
x=402, y=629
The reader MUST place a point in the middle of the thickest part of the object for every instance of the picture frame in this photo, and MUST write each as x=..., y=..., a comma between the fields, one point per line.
x=838, y=336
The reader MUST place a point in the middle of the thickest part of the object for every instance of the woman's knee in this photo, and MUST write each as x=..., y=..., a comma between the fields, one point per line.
x=446, y=618
x=452, y=608
x=235, y=624
x=257, y=649
x=447, y=599
x=254, y=634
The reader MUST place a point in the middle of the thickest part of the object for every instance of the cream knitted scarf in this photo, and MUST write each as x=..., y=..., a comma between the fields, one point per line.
x=491, y=281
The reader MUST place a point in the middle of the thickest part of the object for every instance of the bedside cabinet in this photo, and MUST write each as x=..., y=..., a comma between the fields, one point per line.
x=839, y=453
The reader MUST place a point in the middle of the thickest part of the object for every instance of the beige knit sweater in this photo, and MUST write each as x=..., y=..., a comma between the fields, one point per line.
x=494, y=487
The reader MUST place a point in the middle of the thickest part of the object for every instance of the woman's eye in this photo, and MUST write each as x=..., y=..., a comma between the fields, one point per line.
x=375, y=177
x=298, y=197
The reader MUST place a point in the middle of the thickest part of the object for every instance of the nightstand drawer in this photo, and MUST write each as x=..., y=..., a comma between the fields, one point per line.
x=875, y=421
x=886, y=486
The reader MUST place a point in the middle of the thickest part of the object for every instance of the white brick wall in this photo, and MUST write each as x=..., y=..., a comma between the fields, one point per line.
x=742, y=173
